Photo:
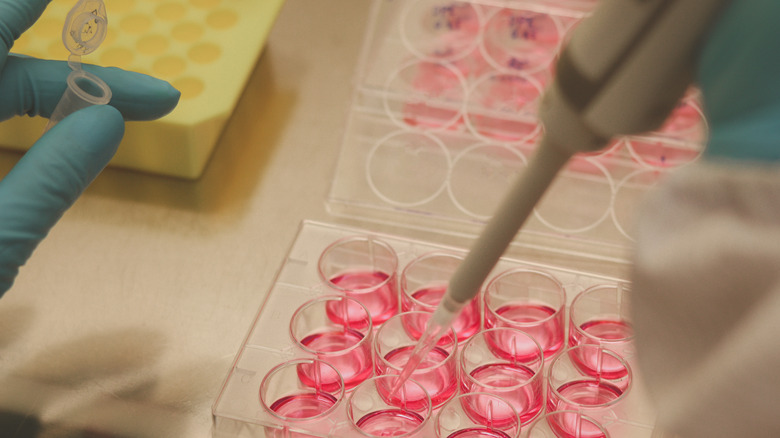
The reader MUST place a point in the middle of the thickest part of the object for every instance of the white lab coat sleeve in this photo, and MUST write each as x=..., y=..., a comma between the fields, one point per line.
x=706, y=281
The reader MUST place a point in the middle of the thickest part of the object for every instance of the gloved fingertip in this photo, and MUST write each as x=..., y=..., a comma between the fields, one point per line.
x=104, y=120
x=34, y=87
x=138, y=96
x=49, y=178
x=168, y=100
x=91, y=135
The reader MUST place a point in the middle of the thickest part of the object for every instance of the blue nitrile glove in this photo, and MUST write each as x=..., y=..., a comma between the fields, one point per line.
x=739, y=76
x=60, y=165
x=706, y=283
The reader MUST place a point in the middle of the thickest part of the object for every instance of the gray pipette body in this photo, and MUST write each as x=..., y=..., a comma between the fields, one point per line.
x=623, y=71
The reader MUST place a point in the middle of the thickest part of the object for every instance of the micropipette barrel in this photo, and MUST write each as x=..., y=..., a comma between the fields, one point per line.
x=623, y=84
x=440, y=322
x=465, y=284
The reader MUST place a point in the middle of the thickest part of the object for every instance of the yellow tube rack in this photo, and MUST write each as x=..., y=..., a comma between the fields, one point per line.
x=205, y=48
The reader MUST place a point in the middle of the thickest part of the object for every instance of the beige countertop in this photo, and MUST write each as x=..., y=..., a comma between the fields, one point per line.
x=126, y=319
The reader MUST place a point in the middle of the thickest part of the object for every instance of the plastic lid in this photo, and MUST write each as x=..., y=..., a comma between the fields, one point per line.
x=85, y=27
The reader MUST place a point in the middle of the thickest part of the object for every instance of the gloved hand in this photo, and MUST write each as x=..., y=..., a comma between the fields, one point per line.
x=739, y=77
x=60, y=165
x=706, y=280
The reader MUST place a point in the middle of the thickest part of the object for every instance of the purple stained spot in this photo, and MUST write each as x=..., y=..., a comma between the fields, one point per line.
x=522, y=27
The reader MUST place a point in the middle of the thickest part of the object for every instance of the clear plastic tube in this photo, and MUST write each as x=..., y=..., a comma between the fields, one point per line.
x=440, y=322
x=84, y=89
x=85, y=29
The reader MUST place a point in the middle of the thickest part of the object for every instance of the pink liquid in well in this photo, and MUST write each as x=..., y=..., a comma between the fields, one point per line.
x=582, y=394
x=513, y=347
x=451, y=29
x=503, y=129
x=319, y=376
x=684, y=118
x=611, y=330
x=441, y=382
x=390, y=422
x=437, y=96
x=612, y=334
x=478, y=432
x=354, y=365
x=514, y=383
x=303, y=405
x=579, y=395
x=659, y=153
x=497, y=105
x=429, y=115
x=539, y=321
x=374, y=289
x=467, y=322
x=347, y=313
x=521, y=39
x=571, y=425
x=415, y=324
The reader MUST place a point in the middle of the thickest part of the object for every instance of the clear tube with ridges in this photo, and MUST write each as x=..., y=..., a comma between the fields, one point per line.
x=85, y=29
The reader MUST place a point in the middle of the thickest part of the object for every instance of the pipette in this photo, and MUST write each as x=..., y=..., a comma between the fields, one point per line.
x=85, y=29
x=622, y=72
